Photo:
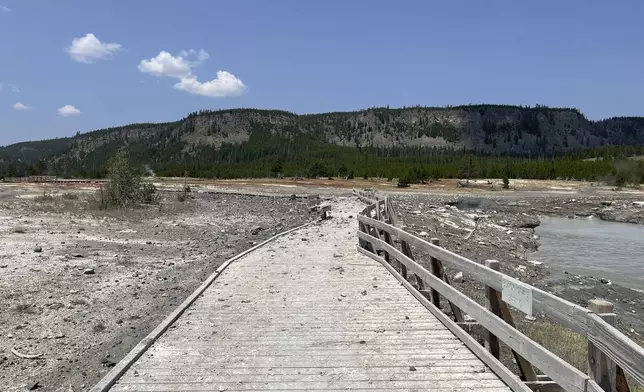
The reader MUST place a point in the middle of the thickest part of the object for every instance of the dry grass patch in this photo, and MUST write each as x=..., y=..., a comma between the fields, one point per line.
x=567, y=345
x=70, y=196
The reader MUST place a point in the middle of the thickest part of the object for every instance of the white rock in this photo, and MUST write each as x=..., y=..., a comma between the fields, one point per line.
x=423, y=234
x=535, y=262
x=530, y=318
x=458, y=278
x=417, y=212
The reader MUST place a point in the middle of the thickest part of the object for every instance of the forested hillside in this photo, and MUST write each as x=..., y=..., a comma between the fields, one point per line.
x=477, y=140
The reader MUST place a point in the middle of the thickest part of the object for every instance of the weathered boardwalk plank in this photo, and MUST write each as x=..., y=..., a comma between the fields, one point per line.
x=306, y=315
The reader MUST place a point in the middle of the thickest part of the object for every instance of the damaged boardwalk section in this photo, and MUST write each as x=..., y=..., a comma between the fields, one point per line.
x=306, y=312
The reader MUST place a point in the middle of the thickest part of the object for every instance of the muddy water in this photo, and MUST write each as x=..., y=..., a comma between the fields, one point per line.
x=614, y=251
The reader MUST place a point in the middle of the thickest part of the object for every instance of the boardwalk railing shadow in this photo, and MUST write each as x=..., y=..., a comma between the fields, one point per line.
x=611, y=354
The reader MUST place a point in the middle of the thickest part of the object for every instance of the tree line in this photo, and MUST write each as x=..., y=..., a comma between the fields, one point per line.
x=300, y=155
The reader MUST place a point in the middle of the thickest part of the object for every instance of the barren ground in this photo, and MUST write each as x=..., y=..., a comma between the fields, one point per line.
x=144, y=264
x=499, y=225
x=147, y=261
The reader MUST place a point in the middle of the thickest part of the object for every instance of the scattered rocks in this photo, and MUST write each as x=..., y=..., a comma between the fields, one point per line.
x=256, y=230
x=108, y=362
x=89, y=271
x=38, y=249
x=458, y=278
x=363, y=292
x=605, y=281
x=32, y=385
x=535, y=262
x=606, y=202
x=337, y=255
x=530, y=318
x=527, y=223
x=412, y=368
x=423, y=234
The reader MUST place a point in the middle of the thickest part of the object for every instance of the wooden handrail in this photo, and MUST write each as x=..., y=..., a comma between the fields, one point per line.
x=559, y=370
x=625, y=353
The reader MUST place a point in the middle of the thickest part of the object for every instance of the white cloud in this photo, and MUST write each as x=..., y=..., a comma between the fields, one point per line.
x=14, y=88
x=20, y=106
x=181, y=67
x=201, y=54
x=165, y=64
x=88, y=49
x=68, y=110
x=226, y=85
x=4, y=8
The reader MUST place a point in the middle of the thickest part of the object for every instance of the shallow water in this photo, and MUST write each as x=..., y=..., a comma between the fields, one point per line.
x=614, y=251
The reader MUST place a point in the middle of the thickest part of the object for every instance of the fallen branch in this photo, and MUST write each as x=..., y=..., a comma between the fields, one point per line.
x=25, y=356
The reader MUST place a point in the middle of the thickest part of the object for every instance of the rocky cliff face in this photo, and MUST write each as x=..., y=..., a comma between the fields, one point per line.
x=483, y=128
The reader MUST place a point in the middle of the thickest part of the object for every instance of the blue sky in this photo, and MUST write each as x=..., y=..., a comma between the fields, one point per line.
x=70, y=66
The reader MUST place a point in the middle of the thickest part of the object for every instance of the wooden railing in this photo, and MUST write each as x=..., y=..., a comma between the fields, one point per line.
x=611, y=354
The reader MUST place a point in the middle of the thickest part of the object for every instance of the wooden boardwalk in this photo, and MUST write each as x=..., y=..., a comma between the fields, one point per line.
x=307, y=312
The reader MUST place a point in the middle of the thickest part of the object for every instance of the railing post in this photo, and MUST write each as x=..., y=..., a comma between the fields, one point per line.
x=491, y=341
x=437, y=271
x=601, y=368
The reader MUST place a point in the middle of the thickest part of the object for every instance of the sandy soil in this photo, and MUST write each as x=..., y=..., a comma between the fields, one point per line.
x=80, y=288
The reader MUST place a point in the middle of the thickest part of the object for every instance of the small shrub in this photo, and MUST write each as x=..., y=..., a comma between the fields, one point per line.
x=44, y=198
x=148, y=193
x=403, y=182
x=506, y=183
x=70, y=196
x=125, y=188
